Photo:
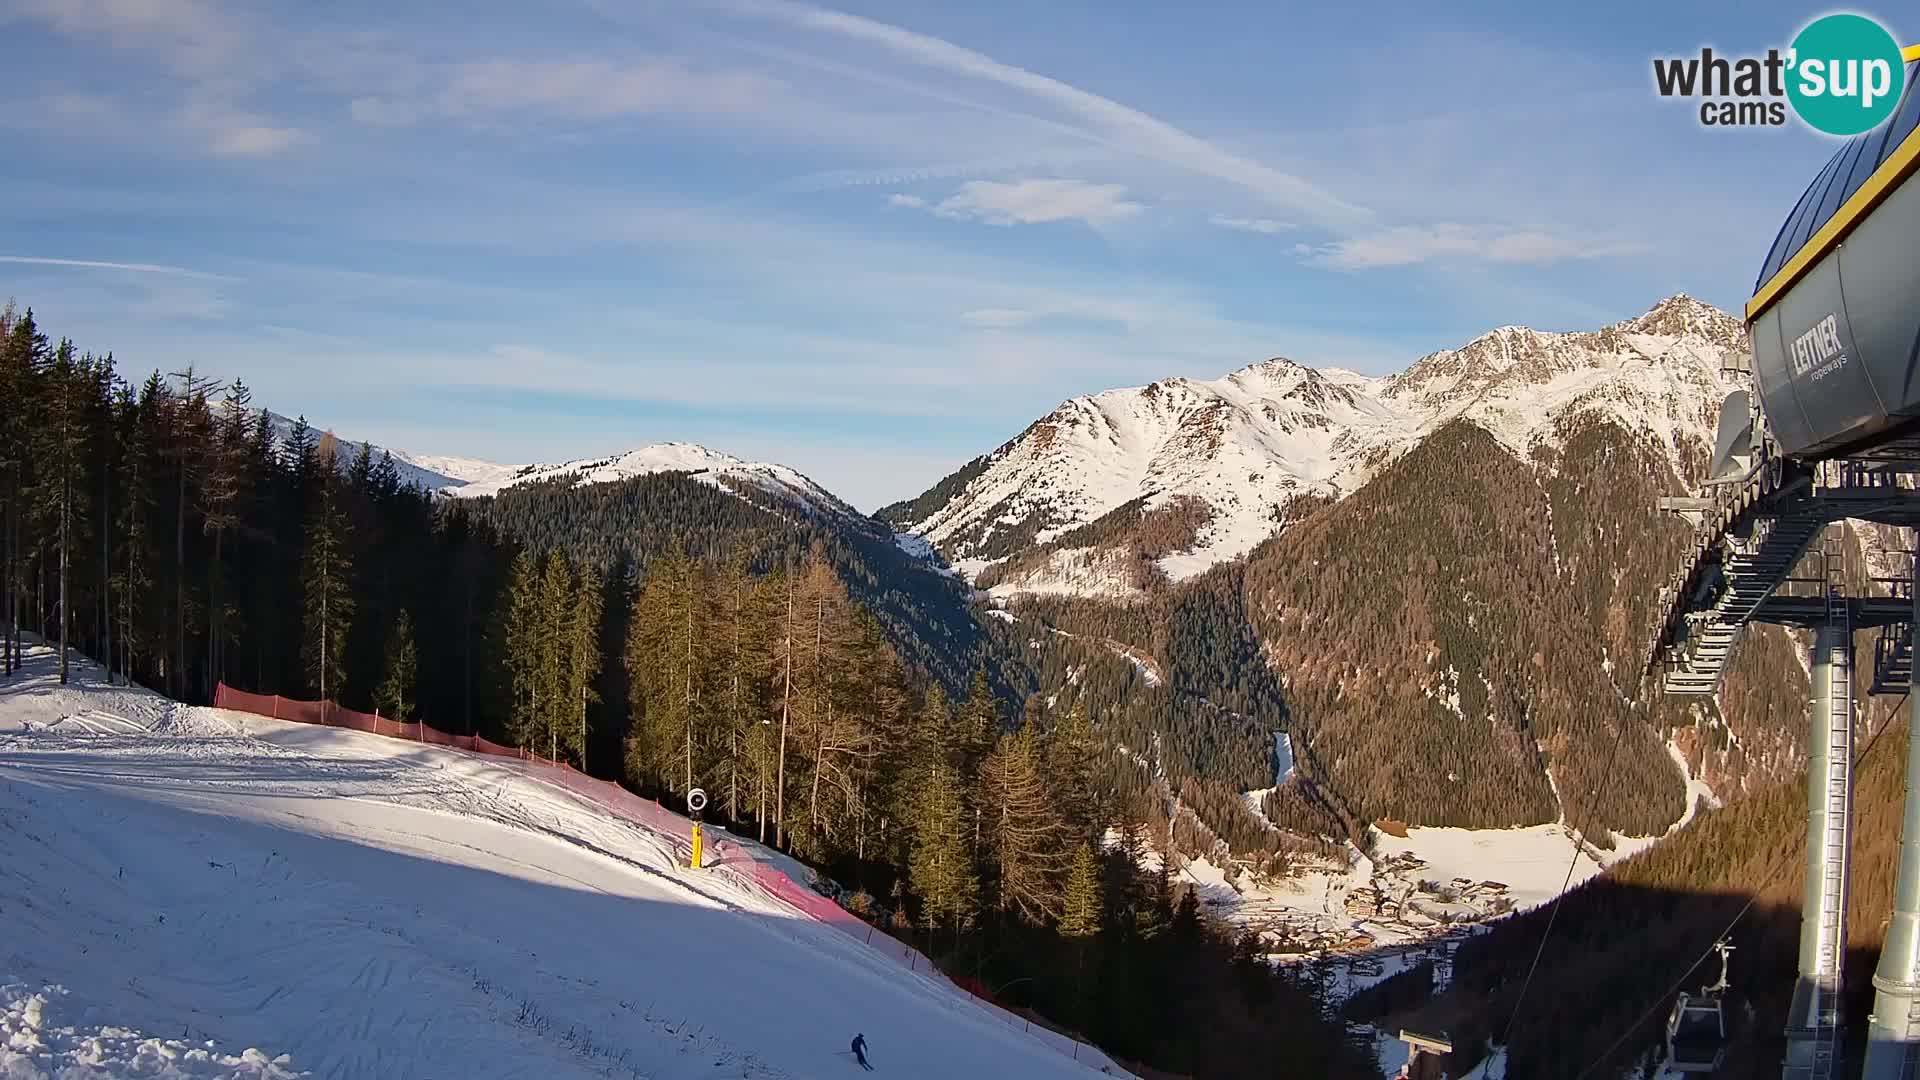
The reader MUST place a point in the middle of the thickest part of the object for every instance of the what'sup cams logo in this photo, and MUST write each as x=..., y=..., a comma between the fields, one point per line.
x=1842, y=75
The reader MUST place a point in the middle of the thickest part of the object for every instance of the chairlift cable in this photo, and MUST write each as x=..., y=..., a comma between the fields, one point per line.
x=1765, y=880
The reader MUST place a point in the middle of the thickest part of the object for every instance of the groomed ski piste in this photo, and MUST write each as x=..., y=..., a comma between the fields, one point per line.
x=192, y=892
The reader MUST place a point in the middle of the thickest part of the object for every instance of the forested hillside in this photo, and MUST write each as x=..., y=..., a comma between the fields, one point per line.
x=1468, y=622
x=627, y=524
x=162, y=529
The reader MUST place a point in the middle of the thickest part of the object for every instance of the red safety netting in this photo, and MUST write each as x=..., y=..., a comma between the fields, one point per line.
x=757, y=865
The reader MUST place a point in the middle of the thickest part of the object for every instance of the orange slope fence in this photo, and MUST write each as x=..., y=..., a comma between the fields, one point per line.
x=753, y=863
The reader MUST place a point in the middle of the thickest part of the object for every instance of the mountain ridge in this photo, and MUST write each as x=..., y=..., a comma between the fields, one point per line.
x=1239, y=449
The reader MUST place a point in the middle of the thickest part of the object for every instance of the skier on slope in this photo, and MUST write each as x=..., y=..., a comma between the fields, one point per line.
x=860, y=1051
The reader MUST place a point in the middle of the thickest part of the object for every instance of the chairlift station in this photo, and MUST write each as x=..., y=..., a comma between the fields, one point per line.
x=1826, y=430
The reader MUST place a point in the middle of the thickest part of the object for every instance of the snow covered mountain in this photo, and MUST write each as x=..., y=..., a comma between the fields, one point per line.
x=724, y=471
x=1228, y=457
x=464, y=477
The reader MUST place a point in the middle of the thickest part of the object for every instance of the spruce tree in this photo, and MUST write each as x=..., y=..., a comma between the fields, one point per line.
x=224, y=483
x=978, y=727
x=1074, y=774
x=940, y=869
x=1080, y=909
x=329, y=596
x=131, y=579
x=520, y=638
x=556, y=596
x=23, y=351
x=667, y=661
x=395, y=697
x=61, y=454
x=583, y=660
x=979, y=721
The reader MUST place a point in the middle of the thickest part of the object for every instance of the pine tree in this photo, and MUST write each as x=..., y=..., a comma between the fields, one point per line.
x=940, y=868
x=395, y=697
x=329, y=597
x=1080, y=914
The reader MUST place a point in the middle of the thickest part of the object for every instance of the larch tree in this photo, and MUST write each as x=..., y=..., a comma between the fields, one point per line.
x=1021, y=835
x=745, y=653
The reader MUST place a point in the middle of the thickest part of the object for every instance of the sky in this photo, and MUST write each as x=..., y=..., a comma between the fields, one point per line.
x=870, y=241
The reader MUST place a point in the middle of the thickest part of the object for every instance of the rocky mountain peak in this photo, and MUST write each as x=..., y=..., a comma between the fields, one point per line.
x=1247, y=444
x=1682, y=316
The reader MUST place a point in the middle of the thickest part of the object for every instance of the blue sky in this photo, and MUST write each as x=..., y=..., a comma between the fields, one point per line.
x=869, y=241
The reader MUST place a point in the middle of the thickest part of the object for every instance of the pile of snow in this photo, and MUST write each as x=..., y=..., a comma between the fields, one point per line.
x=45, y=1032
x=1251, y=442
x=371, y=907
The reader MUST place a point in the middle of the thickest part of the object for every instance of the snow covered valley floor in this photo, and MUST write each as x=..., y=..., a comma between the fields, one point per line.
x=191, y=892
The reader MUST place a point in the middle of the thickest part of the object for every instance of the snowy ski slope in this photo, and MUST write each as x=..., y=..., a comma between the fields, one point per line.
x=214, y=890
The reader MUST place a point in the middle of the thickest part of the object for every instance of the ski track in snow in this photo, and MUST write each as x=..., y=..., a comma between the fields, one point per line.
x=375, y=908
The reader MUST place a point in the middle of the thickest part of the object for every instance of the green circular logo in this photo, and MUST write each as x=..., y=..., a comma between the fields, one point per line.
x=1845, y=75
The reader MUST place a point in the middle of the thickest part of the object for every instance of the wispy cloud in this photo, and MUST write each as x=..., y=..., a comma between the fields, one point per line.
x=912, y=202
x=77, y=106
x=1408, y=245
x=123, y=267
x=998, y=318
x=1264, y=226
x=1120, y=126
x=1033, y=202
x=599, y=88
x=254, y=140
